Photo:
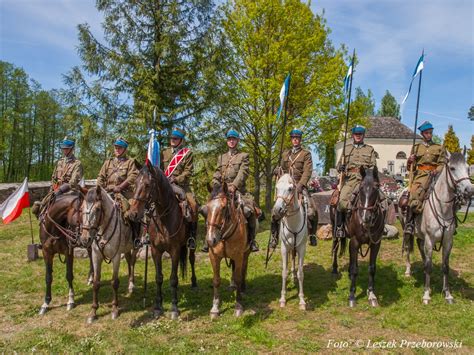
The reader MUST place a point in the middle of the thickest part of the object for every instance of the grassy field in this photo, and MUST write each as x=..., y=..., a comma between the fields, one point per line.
x=263, y=328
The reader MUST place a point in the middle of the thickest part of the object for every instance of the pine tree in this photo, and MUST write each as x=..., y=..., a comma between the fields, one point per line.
x=470, y=114
x=470, y=153
x=451, y=141
x=389, y=106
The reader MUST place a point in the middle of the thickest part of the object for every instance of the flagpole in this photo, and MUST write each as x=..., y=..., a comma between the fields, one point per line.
x=347, y=118
x=416, y=122
x=284, y=120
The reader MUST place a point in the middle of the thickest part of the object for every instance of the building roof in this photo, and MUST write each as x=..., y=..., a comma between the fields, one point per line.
x=388, y=127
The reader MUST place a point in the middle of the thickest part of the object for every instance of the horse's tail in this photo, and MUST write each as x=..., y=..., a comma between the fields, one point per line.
x=342, y=251
x=183, y=257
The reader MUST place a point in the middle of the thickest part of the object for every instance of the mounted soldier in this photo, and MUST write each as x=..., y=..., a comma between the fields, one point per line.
x=177, y=164
x=66, y=176
x=426, y=160
x=117, y=176
x=298, y=163
x=358, y=154
x=233, y=168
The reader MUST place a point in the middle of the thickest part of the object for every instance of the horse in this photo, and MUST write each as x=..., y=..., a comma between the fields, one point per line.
x=167, y=229
x=59, y=234
x=364, y=226
x=104, y=229
x=226, y=236
x=293, y=233
x=437, y=222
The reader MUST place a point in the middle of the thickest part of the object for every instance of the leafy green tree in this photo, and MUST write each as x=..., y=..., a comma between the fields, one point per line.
x=389, y=107
x=470, y=114
x=451, y=141
x=470, y=153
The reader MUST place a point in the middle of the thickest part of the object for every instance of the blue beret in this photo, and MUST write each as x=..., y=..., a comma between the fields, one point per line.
x=358, y=129
x=425, y=125
x=67, y=143
x=121, y=142
x=232, y=134
x=296, y=133
x=177, y=133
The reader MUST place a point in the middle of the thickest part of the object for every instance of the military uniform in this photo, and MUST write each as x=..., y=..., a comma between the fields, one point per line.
x=430, y=157
x=66, y=176
x=118, y=172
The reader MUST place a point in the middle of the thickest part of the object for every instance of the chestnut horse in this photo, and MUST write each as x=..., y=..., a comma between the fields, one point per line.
x=167, y=228
x=227, y=238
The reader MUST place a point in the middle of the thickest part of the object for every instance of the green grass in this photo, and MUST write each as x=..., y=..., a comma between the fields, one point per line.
x=263, y=328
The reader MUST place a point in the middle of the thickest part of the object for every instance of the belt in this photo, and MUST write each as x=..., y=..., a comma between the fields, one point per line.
x=353, y=170
x=426, y=167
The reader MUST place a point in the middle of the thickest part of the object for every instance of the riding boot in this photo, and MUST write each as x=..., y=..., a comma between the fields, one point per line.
x=136, y=229
x=275, y=227
x=409, y=224
x=251, y=228
x=313, y=241
x=192, y=235
x=340, y=220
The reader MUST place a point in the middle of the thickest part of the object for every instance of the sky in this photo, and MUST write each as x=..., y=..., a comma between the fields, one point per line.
x=388, y=35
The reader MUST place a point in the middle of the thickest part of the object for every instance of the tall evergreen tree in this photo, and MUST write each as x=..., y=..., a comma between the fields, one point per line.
x=470, y=153
x=389, y=107
x=470, y=114
x=451, y=141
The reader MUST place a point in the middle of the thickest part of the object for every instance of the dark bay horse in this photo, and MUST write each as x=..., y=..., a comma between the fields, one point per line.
x=226, y=236
x=364, y=227
x=168, y=230
x=59, y=234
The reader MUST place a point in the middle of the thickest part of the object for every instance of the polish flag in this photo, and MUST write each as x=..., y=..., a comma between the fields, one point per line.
x=11, y=208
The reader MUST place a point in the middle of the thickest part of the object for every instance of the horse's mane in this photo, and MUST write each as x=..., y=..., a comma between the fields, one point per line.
x=91, y=195
x=162, y=180
x=216, y=190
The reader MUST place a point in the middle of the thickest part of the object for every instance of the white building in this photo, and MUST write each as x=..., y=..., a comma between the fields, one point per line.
x=392, y=141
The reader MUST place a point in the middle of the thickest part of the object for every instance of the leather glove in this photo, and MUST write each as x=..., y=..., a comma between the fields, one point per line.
x=276, y=171
x=232, y=189
x=117, y=189
x=411, y=159
x=342, y=168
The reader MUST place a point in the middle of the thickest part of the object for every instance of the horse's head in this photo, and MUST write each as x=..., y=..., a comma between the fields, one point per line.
x=368, y=195
x=92, y=215
x=286, y=194
x=144, y=184
x=217, y=209
x=459, y=172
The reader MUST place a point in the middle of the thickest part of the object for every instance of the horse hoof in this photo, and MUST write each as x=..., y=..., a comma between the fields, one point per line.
x=157, y=313
x=174, y=315
x=407, y=274
x=426, y=301
x=43, y=310
x=450, y=300
x=334, y=272
x=302, y=307
x=70, y=306
x=115, y=315
x=238, y=312
x=352, y=303
x=373, y=303
x=91, y=319
x=214, y=315
x=282, y=304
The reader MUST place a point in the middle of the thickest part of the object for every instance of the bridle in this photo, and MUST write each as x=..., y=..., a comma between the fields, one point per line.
x=225, y=232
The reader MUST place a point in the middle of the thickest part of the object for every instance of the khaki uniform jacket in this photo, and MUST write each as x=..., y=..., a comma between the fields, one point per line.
x=68, y=170
x=115, y=171
x=184, y=171
x=298, y=164
x=234, y=169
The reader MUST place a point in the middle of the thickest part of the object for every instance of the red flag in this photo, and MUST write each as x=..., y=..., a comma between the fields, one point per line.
x=12, y=207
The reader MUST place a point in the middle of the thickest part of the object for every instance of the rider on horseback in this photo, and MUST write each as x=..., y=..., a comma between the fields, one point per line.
x=357, y=154
x=298, y=163
x=117, y=176
x=428, y=159
x=66, y=176
x=233, y=168
x=177, y=163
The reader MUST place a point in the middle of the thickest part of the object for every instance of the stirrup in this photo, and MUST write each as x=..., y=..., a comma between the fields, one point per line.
x=340, y=233
x=313, y=241
x=205, y=248
x=191, y=244
x=254, y=246
x=137, y=243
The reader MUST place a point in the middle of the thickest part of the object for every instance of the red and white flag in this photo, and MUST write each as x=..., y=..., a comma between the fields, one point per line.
x=11, y=208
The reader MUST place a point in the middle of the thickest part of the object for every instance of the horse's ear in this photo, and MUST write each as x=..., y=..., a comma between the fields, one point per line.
x=209, y=187
x=225, y=188
x=362, y=171
x=448, y=155
x=464, y=151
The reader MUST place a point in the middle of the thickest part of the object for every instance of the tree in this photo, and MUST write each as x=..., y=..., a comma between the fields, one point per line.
x=470, y=114
x=470, y=153
x=266, y=43
x=451, y=141
x=389, y=106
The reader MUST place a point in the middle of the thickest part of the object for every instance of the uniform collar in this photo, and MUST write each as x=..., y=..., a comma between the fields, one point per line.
x=121, y=158
x=69, y=158
x=358, y=145
x=233, y=151
x=427, y=143
x=295, y=150
x=177, y=149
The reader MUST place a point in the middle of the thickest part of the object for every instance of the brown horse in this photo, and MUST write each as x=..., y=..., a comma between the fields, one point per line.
x=227, y=238
x=167, y=228
x=59, y=234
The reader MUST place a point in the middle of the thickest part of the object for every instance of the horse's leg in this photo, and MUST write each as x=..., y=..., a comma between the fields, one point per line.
x=174, y=283
x=216, y=283
x=239, y=266
x=192, y=261
x=157, y=259
x=294, y=270
x=232, y=285
x=335, y=247
x=428, y=246
x=284, y=273
x=421, y=248
x=374, y=250
x=115, y=285
x=447, y=246
x=69, y=278
x=48, y=262
x=408, y=250
x=244, y=272
x=131, y=257
x=97, y=264
x=353, y=269
x=301, y=254
x=90, y=277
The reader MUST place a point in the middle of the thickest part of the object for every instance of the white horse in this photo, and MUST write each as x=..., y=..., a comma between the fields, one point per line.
x=437, y=223
x=293, y=233
x=104, y=229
